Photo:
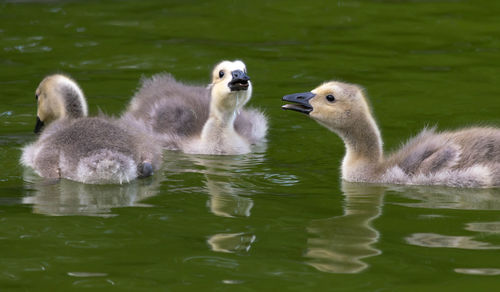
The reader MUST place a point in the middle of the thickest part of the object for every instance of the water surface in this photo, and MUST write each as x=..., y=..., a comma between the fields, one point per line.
x=280, y=217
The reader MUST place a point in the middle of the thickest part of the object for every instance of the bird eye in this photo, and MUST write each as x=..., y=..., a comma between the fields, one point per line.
x=36, y=96
x=221, y=73
x=330, y=98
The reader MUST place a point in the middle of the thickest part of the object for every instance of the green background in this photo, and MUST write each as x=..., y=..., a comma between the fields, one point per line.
x=279, y=218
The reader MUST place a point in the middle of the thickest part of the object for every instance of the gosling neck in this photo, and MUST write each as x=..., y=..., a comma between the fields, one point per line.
x=364, y=152
x=218, y=132
x=223, y=110
x=74, y=103
x=217, y=126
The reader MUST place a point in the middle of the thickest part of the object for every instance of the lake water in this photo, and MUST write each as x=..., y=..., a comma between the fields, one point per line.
x=279, y=219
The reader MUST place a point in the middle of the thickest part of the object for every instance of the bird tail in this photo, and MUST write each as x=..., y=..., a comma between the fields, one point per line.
x=106, y=167
x=145, y=169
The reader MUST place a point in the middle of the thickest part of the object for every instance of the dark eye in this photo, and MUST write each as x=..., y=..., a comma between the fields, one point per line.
x=330, y=98
x=221, y=73
x=36, y=96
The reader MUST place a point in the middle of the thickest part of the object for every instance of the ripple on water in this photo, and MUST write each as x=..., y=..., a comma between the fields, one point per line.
x=9, y=276
x=282, y=179
x=32, y=47
x=218, y=262
x=87, y=244
x=37, y=268
x=86, y=274
x=232, y=282
x=56, y=10
x=487, y=227
x=431, y=216
x=7, y=113
x=25, y=265
x=438, y=240
x=126, y=23
x=86, y=44
x=231, y=243
x=94, y=283
x=450, y=198
x=479, y=271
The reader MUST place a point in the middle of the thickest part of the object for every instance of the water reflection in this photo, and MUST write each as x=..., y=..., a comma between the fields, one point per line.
x=65, y=197
x=223, y=178
x=485, y=227
x=225, y=196
x=458, y=199
x=231, y=242
x=339, y=244
x=438, y=240
x=483, y=272
x=450, y=198
x=229, y=182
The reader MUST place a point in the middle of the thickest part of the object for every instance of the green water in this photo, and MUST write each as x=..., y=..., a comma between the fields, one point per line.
x=279, y=219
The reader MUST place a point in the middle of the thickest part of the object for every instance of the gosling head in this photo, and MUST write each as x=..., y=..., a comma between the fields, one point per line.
x=231, y=87
x=335, y=105
x=58, y=96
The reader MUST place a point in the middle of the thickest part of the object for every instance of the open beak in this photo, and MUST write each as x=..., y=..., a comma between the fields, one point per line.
x=38, y=126
x=300, y=102
x=239, y=81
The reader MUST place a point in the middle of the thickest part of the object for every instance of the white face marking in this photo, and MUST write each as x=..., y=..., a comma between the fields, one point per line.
x=223, y=98
x=225, y=68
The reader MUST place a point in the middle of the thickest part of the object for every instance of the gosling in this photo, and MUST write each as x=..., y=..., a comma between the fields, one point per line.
x=97, y=150
x=201, y=120
x=469, y=157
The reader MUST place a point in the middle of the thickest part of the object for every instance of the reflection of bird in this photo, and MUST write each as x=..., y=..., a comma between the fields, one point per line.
x=224, y=199
x=456, y=199
x=67, y=198
x=91, y=150
x=229, y=243
x=449, y=198
x=339, y=244
x=465, y=158
x=224, y=178
x=199, y=120
x=439, y=240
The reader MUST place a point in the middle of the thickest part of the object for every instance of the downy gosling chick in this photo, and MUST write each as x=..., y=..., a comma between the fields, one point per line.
x=96, y=150
x=201, y=120
x=468, y=157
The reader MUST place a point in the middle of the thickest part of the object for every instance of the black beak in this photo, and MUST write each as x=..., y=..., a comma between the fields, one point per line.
x=239, y=81
x=38, y=126
x=301, y=102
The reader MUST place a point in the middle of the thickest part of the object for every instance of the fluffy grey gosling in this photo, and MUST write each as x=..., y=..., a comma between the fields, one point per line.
x=96, y=150
x=197, y=119
x=468, y=157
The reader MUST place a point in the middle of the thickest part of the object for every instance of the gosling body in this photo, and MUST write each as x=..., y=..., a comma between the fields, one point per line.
x=97, y=150
x=201, y=120
x=468, y=157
